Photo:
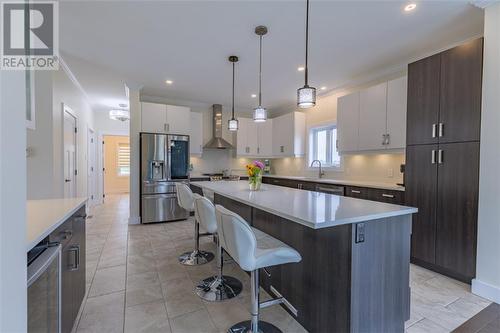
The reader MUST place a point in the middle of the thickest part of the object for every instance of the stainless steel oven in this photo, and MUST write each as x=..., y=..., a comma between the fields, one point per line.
x=44, y=290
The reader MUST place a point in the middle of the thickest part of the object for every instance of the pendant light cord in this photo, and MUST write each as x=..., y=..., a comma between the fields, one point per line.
x=233, y=93
x=307, y=41
x=260, y=71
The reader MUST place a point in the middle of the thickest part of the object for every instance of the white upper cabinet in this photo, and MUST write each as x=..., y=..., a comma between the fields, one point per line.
x=347, y=122
x=396, y=113
x=161, y=118
x=178, y=119
x=242, y=149
x=196, y=134
x=289, y=132
x=265, y=138
x=372, y=117
x=154, y=117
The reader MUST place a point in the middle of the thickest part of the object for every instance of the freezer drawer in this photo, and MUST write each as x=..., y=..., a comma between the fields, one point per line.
x=161, y=208
x=149, y=187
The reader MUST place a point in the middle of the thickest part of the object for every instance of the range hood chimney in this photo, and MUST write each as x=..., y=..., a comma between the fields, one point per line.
x=217, y=142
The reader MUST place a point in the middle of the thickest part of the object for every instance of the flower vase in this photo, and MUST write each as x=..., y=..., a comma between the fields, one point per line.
x=254, y=182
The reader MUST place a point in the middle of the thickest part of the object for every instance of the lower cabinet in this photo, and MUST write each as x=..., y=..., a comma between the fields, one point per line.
x=71, y=236
x=442, y=181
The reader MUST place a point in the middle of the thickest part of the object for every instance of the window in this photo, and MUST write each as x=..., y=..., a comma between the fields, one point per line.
x=123, y=157
x=323, y=147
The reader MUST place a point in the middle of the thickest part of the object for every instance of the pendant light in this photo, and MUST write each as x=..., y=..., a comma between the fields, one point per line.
x=260, y=113
x=232, y=124
x=306, y=96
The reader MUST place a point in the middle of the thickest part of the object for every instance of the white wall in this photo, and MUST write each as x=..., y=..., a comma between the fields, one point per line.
x=13, y=303
x=487, y=282
x=45, y=163
x=133, y=93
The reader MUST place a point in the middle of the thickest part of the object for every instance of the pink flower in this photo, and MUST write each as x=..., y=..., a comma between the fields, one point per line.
x=259, y=164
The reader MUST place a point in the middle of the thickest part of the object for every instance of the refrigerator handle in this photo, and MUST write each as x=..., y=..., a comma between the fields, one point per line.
x=168, y=173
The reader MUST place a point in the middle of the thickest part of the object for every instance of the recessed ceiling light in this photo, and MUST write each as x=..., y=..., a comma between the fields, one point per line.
x=169, y=82
x=323, y=88
x=301, y=68
x=253, y=95
x=410, y=7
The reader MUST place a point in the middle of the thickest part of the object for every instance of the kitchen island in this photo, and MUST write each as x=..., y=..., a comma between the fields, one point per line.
x=354, y=273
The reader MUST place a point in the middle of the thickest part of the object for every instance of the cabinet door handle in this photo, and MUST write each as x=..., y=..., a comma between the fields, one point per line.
x=384, y=139
x=76, y=253
x=164, y=127
x=388, y=195
x=388, y=139
x=356, y=191
x=440, y=156
x=433, y=156
x=258, y=150
x=441, y=130
x=282, y=149
x=433, y=130
x=299, y=186
x=337, y=144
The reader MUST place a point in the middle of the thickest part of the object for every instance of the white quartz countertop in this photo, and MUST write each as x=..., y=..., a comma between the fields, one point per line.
x=44, y=216
x=312, y=209
x=360, y=183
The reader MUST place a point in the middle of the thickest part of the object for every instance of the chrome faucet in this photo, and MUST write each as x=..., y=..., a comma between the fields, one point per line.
x=320, y=173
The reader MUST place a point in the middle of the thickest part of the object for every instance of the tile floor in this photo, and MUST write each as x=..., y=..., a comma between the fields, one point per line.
x=135, y=284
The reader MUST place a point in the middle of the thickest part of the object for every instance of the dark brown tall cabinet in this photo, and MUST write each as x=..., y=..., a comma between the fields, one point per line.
x=442, y=158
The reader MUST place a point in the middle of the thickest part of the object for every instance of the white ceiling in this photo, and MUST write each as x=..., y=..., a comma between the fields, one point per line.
x=108, y=43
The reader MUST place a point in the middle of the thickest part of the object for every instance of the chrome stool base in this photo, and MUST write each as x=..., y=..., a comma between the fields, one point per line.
x=196, y=258
x=215, y=289
x=244, y=327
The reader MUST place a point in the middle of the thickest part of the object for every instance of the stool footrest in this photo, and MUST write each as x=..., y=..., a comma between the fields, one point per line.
x=271, y=302
x=284, y=301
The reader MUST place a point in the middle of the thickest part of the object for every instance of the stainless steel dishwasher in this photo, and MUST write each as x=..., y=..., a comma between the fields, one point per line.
x=330, y=189
x=44, y=289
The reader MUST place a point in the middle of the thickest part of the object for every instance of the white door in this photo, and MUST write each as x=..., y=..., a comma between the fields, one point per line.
x=69, y=154
x=373, y=117
x=178, y=119
x=266, y=138
x=91, y=168
x=396, y=113
x=154, y=117
x=348, y=122
x=196, y=135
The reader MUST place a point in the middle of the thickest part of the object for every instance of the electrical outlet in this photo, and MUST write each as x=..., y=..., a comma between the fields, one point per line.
x=390, y=172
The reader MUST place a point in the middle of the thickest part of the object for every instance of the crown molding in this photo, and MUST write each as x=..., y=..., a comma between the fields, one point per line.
x=73, y=78
x=483, y=3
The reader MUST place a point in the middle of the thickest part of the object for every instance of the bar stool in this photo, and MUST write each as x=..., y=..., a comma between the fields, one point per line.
x=239, y=240
x=219, y=287
x=196, y=257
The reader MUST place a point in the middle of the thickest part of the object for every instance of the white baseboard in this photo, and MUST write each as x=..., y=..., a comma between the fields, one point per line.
x=486, y=290
x=134, y=220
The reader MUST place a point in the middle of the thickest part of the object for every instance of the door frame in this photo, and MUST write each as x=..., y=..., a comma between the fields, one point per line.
x=100, y=161
x=92, y=200
x=68, y=110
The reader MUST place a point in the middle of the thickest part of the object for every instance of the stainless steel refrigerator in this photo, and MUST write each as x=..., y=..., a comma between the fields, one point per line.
x=164, y=161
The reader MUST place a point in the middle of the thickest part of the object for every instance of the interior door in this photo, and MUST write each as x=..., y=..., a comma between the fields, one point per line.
x=421, y=192
x=460, y=109
x=423, y=100
x=91, y=168
x=70, y=172
x=457, y=208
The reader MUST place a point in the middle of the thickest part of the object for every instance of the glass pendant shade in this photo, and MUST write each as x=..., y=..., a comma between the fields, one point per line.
x=121, y=115
x=306, y=97
x=232, y=124
x=259, y=114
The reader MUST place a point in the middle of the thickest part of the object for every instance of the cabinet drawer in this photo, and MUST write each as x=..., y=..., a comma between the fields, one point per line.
x=394, y=197
x=357, y=192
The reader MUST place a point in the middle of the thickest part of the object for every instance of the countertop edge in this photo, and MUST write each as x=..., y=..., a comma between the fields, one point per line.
x=56, y=224
x=358, y=219
x=355, y=183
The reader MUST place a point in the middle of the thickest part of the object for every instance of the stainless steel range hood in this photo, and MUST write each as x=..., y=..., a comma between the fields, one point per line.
x=217, y=142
